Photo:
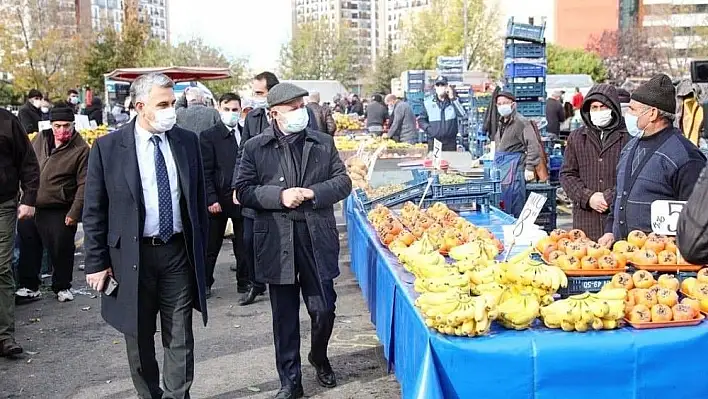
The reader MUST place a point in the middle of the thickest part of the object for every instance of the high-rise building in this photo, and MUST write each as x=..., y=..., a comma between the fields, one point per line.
x=678, y=25
x=101, y=14
x=393, y=14
x=577, y=21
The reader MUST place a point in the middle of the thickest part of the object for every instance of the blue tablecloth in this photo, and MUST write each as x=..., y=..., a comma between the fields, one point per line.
x=538, y=363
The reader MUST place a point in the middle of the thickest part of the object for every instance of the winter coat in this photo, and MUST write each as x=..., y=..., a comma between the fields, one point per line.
x=376, y=114
x=18, y=162
x=255, y=123
x=692, y=233
x=439, y=119
x=403, y=124
x=95, y=111
x=29, y=118
x=265, y=171
x=516, y=134
x=324, y=118
x=197, y=118
x=555, y=114
x=590, y=164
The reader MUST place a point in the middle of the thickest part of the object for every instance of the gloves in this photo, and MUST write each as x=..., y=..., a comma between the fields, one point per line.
x=529, y=175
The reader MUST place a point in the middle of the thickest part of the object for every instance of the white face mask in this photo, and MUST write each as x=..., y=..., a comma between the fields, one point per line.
x=45, y=110
x=242, y=121
x=294, y=121
x=164, y=119
x=74, y=100
x=259, y=102
x=601, y=118
x=229, y=118
x=440, y=90
x=504, y=109
x=36, y=103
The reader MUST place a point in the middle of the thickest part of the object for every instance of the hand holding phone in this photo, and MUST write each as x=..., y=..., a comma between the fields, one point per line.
x=111, y=286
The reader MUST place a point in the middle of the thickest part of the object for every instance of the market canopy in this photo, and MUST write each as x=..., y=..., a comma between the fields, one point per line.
x=177, y=74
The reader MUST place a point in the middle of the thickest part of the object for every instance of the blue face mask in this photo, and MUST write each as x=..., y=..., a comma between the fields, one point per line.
x=504, y=109
x=632, y=123
x=259, y=102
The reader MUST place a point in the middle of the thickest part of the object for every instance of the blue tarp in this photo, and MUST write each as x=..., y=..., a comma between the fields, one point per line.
x=534, y=364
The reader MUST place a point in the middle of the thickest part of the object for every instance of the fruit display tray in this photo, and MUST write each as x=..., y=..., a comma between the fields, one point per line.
x=665, y=324
x=667, y=268
x=595, y=272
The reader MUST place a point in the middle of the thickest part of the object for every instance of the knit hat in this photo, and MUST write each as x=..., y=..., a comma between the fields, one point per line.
x=61, y=114
x=659, y=92
x=507, y=94
x=623, y=95
x=34, y=93
x=283, y=93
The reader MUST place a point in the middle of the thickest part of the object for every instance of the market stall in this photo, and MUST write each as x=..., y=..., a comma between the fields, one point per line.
x=535, y=363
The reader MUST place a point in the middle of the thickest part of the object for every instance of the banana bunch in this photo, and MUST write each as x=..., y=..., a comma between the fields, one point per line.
x=456, y=313
x=476, y=249
x=428, y=265
x=442, y=284
x=530, y=272
x=493, y=292
x=519, y=311
x=601, y=311
x=486, y=275
x=424, y=246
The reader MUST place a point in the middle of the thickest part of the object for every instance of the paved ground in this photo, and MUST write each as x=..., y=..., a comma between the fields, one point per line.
x=72, y=353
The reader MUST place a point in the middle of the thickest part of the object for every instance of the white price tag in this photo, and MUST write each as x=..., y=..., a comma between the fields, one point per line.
x=437, y=153
x=93, y=124
x=528, y=215
x=82, y=122
x=44, y=125
x=664, y=216
x=372, y=160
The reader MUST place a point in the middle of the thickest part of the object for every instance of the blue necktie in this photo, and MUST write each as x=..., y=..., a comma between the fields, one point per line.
x=163, y=192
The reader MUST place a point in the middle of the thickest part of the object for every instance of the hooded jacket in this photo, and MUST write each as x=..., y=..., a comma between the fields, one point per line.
x=590, y=161
x=689, y=112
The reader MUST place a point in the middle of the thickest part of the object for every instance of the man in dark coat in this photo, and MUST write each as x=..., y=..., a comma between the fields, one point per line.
x=146, y=224
x=256, y=122
x=589, y=172
x=555, y=115
x=322, y=114
x=220, y=145
x=692, y=237
x=292, y=177
x=659, y=163
x=30, y=113
x=376, y=115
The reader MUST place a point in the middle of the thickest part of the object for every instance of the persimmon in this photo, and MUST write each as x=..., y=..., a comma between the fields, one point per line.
x=607, y=262
x=669, y=281
x=643, y=279
x=576, y=234
x=667, y=258
x=589, y=263
x=388, y=238
x=661, y=313
x=667, y=297
x=553, y=256
x=670, y=246
x=557, y=234
x=647, y=297
x=630, y=252
x=656, y=244
x=623, y=280
x=562, y=261
x=621, y=259
x=640, y=314
x=700, y=291
x=548, y=249
x=563, y=243
x=683, y=312
x=693, y=304
x=573, y=263
x=646, y=257
x=620, y=246
x=542, y=243
x=688, y=285
x=595, y=250
x=576, y=249
x=637, y=238
x=702, y=275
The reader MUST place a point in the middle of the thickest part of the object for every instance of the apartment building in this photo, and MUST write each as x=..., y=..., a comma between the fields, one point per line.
x=358, y=17
x=681, y=25
x=578, y=21
x=393, y=15
x=101, y=14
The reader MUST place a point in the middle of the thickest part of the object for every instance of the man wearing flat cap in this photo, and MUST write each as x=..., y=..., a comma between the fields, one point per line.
x=292, y=176
x=63, y=160
x=658, y=163
x=518, y=152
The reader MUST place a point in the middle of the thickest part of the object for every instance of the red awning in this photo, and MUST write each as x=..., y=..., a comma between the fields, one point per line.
x=178, y=74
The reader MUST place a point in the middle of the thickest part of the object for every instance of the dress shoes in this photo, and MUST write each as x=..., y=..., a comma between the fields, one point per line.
x=290, y=393
x=251, y=296
x=325, y=374
x=9, y=348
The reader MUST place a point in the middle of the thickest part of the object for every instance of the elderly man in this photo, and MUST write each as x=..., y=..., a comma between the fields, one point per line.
x=197, y=117
x=403, y=126
x=323, y=115
x=518, y=152
x=555, y=114
x=145, y=232
x=589, y=168
x=19, y=167
x=292, y=176
x=63, y=156
x=659, y=163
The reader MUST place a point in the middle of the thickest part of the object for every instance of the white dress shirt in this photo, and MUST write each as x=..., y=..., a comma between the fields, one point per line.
x=145, y=150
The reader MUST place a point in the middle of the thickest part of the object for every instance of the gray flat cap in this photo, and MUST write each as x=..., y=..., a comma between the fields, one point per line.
x=284, y=93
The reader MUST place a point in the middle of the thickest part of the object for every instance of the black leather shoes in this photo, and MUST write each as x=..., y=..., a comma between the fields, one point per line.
x=9, y=348
x=242, y=289
x=289, y=393
x=325, y=374
x=251, y=296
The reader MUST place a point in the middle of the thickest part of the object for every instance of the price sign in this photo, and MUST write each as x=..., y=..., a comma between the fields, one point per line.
x=437, y=153
x=44, y=125
x=372, y=161
x=664, y=216
x=360, y=150
x=529, y=214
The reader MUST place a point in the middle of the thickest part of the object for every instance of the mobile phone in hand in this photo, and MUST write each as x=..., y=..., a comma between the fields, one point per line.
x=111, y=286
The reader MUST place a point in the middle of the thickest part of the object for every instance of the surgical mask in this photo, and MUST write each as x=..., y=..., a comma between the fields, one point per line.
x=36, y=103
x=601, y=118
x=242, y=121
x=230, y=119
x=294, y=121
x=45, y=110
x=440, y=90
x=164, y=119
x=259, y=102
x=504, y=109
x=63, y=135
x=632, y=125
x=74, y=100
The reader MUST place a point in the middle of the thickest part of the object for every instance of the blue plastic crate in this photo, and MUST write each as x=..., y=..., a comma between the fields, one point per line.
x=524, y=70
x=547, y=221
x=547, y=191
x=579, y=285
x=414, y=192
x=472, y=187
x=483, y=101
x=525, y=50
x=528, y=32
x=527, y=89
x=480, y=203
x=450, y=62
x=531, y=108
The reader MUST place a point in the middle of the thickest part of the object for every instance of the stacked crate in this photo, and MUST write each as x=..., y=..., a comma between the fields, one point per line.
x=525, y=67
x=415, y=82
x=452, y=68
